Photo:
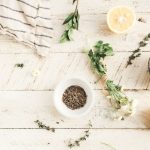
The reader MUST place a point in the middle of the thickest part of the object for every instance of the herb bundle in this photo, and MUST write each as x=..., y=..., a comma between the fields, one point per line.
x=118, y=99
x=43, y=126
x=137, y=52
x=71, y=23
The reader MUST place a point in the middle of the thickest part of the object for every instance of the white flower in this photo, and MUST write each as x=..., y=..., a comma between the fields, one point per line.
x=108, y=97
x=35, y=73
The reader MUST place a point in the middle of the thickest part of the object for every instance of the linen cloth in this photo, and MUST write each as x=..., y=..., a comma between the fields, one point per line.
x=27, y=21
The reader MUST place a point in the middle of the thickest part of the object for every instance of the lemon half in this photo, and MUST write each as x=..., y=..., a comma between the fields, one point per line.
x=120, y=19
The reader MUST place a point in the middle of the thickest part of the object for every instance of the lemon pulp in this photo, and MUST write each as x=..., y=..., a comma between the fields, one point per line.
x=120, y=19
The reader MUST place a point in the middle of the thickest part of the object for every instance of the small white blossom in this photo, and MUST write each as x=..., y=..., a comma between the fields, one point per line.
x=35, y=73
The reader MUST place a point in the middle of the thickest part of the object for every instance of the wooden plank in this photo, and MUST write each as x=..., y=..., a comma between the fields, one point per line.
x=40, y=139
x=93, y=27
x=58, y=66
x=97, y=6
x=21, y=109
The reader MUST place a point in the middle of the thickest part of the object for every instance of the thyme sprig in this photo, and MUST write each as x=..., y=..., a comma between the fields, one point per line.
x=43, y=126
x=77, y=142
x=71, y=23
x=137, y=52
x=118, y=99
x=19, y=65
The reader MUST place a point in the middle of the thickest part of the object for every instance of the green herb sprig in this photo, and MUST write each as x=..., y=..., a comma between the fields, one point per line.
x=77, y=142
x=115, y=94
x=137, y=52
x=71, y=23
x=97, y=55
x=118, y=99
x=43, y=126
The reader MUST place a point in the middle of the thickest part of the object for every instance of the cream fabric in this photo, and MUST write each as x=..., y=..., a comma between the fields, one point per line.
x=28, y=21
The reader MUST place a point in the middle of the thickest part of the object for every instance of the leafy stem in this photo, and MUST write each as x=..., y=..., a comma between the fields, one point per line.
x=43, y=126
x=117, y=97
x=97, y=55
x=76, y=142
x=115, y=94
x=71, y=23
x=137, y=52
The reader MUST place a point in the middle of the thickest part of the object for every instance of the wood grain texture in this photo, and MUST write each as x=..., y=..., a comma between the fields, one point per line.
x=58, y=66
x=21, y=109
x=96, y=6
x=25, y=98
x=40, y=139
x=93, y=27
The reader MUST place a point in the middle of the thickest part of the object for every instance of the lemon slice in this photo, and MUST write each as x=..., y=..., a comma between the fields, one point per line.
x=120, y=19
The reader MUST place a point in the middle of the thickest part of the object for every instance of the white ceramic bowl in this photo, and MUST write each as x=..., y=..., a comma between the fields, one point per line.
x=62, y=108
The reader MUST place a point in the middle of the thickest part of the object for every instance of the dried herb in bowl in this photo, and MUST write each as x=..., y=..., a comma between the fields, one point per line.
x=74, y=97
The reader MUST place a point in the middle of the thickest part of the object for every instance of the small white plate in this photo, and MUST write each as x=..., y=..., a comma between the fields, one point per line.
x=62, y=108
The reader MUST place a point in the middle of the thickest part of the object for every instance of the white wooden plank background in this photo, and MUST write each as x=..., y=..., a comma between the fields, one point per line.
x=33, y=105
x=24, y=98
x=39, y=139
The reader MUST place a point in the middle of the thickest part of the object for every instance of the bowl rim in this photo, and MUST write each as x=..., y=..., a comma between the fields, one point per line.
x=86, y=111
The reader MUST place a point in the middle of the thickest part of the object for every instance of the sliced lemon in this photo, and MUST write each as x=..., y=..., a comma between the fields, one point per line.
x=120, y=19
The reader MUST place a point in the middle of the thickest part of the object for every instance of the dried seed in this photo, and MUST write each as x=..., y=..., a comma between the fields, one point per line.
x=74, y=97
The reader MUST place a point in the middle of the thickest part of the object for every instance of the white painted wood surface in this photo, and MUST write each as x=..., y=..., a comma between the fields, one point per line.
x=24, y=98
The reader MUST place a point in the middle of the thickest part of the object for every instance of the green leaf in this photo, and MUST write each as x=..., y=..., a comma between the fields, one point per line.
x=77, y=16
x=70, y=17
x=101, y=50
x=70, y=31
x=71, y=23
x=142, y=44
x=64, y=37
x=74, y=1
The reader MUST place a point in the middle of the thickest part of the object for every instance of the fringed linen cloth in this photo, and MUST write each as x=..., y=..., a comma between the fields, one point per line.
x=29, y=22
